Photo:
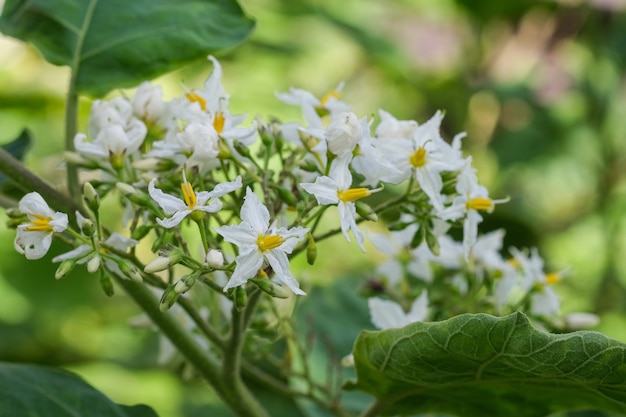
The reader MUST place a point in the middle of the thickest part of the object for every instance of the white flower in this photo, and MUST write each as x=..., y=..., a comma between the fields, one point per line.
x=258, y=243
x=313, y=108
x=335, y=189
x=343, y=134
x=179, y=209
x=194, y=145
x=35, y=237
x=113, y=142
x=424, y=156
x=148, y=102
x=386, y=314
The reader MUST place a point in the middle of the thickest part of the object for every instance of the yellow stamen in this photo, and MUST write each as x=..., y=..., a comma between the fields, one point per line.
x=269, y=242
x=553, y=278
x=196, y=98
x=480, y=203
x=218, y=122
x=353, y=194
x=40, y=224
x=514, y=262
x=418, y=159
x=328, y=96
x=188, y=194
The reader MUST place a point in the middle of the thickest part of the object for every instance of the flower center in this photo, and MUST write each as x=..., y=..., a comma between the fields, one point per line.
x=328, y=96
x=196, y=98
x=480, y=203
x=553, y=278
x=189, y=195
x=218, y=122
x=40, y=224
x=418, y=159
x=269, y=242
x=353, y=194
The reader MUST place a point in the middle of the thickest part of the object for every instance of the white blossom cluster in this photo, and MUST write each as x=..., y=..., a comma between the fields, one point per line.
x=264, y=189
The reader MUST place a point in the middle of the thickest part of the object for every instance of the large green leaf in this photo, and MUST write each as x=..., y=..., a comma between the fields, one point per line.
x=118, y=43
x=36, y=391
x=480, y=365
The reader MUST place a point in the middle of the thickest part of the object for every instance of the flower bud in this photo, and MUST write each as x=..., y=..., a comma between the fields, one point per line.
x=241, y=149
x=14, y=213
x=158, y=264
x=168, y=298
x=271, y=288
x=130, y=271
x=140, y=232
x=65, y=268
x=183, y=285
x=241, y=298
x=311, y=250
x=133, y=194
x=366, y=211
x=88, y=227
x=91, y=196
x=343, y=134
x=94, y=264
x=214, y=258
x=106, y=283
x=287, y=196
x=432, y=242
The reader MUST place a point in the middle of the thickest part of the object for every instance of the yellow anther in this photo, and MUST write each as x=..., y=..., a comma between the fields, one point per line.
x=269, y=242
x=514, y=262
x=418, y=159
x=353, y=194
x=196, y=98
x=188, y=194
x=328, y=96
x=480, y=203
x=553, y=278
x=218, y=122
x=40, y=224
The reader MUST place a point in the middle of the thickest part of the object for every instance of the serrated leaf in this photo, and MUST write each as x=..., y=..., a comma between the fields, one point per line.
x=481, y=365
x=36, y=391
x=117, y=43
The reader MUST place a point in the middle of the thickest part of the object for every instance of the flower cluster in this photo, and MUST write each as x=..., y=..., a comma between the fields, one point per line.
x=265, y=190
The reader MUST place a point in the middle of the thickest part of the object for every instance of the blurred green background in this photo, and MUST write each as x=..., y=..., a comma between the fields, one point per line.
x=539, y=86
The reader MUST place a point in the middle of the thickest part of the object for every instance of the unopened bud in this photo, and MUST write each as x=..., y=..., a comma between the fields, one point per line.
x=287, y=196
x=106, y=283
x=271, y=288
x=214, y=258
x=241, y=298
x=241, y=149
x=14, y=213
x=308, y=166
x=133, y=194
x=154, y=164
x=88, y=227
x=432, y=242
x=158, y=264
x=91, y=196
x=94, y=264
x=140, y=232
x=65, y=268
x=130, y=271
x=75, y=158
x=168, y=298
x=311, y=250
x=183, y=285
x=365, y=211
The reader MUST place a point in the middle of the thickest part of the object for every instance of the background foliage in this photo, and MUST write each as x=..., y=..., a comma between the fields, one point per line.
x=538, y=86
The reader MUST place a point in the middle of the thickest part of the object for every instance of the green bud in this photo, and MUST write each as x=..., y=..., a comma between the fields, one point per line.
x=432, y=242
x=183, y=285
x=140, y=232
x=366, y=211
x=308, y=166
x=286, y=196
x=88, y=227
x=397, y=226
x=241, y=298
x=133, y=194
x=271, y=288
x=160, y=263
x=311, y=250
x=130, y=271
x=106, y=283
x=91, y=197
x=15, y=213
x=241, y=149
x=418, y=237
x=168, y=298
x=65, y=268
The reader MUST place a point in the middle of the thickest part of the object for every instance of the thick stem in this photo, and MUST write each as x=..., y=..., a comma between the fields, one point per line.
x=234, y=394
x=28, y=181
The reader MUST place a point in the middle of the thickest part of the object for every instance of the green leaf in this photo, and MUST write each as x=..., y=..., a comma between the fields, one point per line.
x=35, y=391
x=480, y=365
x=17, y=148
x=119, y=43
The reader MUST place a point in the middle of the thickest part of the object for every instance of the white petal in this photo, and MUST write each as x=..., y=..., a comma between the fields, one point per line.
x=168, y=203
x=255, y=213
x=225, y=188
x=324, y=189
x=74, y=253
x=241, y=235
x=33, y=203
x=419, y=308
x=385, y=314
x=248, y=265
x=34, y=245
x=174, y=220
x=280, y=264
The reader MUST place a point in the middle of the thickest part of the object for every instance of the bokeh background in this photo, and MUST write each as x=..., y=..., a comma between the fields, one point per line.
x=539, y=86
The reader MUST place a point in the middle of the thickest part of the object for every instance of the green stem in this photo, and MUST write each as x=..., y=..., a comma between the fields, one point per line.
x=234, y=394
x=28, y=181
